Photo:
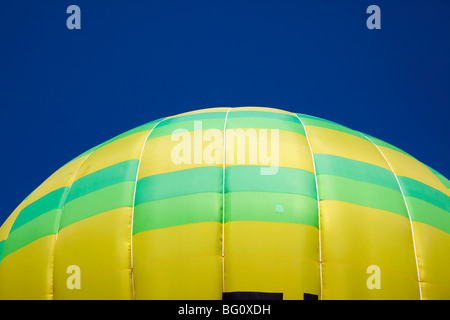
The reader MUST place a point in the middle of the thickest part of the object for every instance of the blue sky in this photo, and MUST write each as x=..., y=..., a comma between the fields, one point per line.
x=64, y=91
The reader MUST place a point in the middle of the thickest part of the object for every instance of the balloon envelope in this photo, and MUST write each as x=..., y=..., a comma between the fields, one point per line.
x=281, y=206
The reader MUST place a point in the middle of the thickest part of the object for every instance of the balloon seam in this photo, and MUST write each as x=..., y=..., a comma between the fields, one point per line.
x=59, y=222
x=318, y=205
x=132, y=208
x=407, y=210
x=223, y=199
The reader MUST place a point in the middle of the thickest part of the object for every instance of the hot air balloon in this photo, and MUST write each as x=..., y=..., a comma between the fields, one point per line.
x=233, y=203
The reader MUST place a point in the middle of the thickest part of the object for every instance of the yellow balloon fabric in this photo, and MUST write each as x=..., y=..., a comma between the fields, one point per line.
x=233, y=203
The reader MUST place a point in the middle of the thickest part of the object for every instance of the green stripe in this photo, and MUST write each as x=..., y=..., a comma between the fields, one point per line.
x=286, y=180
x=356, y=170
x=168, y=130
x=194, y=117
x=51, y=201
x=271, y=207
x=422, y=211
x=308, y=117
x=262, y=114
x=165, y=213
x=443, y=179
x=178, y=183
x=121, y=172
x=419, y=190
x=361, y=193
x=215, y=120
x=86, y=153
x=262, y=123
x=2, y=245
x=144, y=127
x=44, y=225
x=318, y=122
x=116, y=196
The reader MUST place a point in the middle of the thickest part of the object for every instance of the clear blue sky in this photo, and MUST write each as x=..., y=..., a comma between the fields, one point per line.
x=64, y=91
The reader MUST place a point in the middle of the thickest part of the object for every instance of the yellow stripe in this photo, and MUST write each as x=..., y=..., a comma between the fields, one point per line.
x=27, y=273
x=6, y=227
x=355, y=237
x=271, y=257
x=100, y=247
x=433, y=246
x=291, y=150
x=162, y=155
x=126, y=148
x=182, y=262
x=407, y=166
x=328, y=141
